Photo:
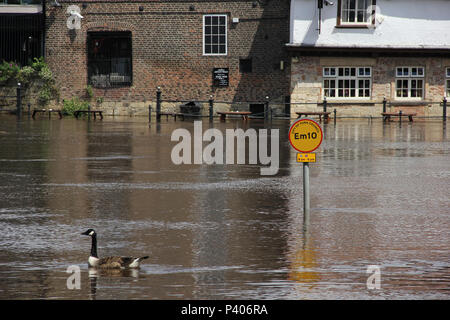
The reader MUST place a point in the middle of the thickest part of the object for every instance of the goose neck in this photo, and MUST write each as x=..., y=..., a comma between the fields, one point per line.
x=94, y=246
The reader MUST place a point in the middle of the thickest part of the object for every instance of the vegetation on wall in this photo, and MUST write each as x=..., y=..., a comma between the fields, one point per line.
x=74, y=104
x=37, y=74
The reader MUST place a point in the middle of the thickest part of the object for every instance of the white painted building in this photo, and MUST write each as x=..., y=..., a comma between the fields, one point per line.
x=356, y=52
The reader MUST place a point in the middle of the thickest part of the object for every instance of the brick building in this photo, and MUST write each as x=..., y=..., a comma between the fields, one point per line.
x=126, y=49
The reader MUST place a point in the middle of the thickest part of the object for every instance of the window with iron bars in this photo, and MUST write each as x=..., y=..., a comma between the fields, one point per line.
x=109, y=59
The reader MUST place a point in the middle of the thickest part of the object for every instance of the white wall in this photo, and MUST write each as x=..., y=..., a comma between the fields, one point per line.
x=400, y=23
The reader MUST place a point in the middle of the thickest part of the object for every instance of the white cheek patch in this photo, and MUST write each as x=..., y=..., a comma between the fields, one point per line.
x=91, y=233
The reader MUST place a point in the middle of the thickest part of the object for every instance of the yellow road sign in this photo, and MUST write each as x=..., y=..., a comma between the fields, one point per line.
x=305, y=135
x=306, y=157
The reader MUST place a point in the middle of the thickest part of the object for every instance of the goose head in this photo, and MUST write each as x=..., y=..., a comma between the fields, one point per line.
x=89, y=232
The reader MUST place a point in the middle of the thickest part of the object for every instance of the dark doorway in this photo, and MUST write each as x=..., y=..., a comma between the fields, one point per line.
x=21, y=37
x=257, y=109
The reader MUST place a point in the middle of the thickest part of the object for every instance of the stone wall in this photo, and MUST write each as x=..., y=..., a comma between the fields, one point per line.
x=307, y=85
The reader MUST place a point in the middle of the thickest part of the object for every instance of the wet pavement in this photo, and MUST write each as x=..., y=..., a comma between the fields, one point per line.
x=380, y=195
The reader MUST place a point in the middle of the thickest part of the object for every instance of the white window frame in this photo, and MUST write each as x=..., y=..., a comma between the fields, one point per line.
x=362, y=73
x=447, y=82
x=405, y=73
x=204, y=34
x=370, y=12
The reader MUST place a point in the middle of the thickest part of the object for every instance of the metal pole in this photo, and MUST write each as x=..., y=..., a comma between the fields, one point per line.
x=149, y=113
x=334, y=111
x=89, y=113
x=400, y=116
x=266, y=108
x=444, y=112
x=211, y=108
x=158, y=104
x=306, y=203
x=19, y=100
x=384, y=104
x=324, y=105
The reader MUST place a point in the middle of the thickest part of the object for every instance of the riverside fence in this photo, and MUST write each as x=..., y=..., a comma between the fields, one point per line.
x=268, y=109
x=264, y=108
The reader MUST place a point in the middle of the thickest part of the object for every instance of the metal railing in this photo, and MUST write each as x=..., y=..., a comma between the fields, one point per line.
x=269, y=113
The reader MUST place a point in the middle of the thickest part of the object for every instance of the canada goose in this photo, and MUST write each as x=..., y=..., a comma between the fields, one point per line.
x=109, y=262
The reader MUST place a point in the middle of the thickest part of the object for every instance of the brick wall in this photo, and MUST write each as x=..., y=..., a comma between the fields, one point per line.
x=167, y=49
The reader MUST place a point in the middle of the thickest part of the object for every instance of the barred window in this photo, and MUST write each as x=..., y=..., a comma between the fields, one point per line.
x=409, y=82
x=109, y=59
x=347, y=82
x=215, y=34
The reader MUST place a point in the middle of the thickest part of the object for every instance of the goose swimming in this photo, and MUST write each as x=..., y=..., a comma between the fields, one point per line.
x=109, y=262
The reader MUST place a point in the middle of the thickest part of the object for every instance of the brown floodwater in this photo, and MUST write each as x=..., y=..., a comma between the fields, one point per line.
x=380, y=195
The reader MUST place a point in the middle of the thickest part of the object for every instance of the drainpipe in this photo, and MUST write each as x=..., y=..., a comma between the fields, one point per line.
x=44, y=8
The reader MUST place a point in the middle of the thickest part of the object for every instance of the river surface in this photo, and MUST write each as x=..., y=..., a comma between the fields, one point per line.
x=380, y=196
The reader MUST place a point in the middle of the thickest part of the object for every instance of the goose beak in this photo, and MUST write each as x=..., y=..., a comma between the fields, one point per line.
x=85, y=233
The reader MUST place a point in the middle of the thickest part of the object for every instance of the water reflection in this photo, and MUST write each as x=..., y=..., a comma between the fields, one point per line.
x=96, y=275
x=379, y=195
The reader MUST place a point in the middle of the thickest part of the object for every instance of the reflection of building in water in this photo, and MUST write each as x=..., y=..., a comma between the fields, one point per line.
x=68, y=147
x=350, y=144
x=238, y=217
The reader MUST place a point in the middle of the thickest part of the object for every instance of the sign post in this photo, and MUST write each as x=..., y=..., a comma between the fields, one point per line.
x=305, y=136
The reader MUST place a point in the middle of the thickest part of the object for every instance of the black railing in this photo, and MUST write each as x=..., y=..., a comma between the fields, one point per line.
x=21, y=37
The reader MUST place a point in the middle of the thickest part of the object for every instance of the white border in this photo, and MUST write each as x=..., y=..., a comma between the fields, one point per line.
x=410, y=77
x=226, y=35
x=337, y=78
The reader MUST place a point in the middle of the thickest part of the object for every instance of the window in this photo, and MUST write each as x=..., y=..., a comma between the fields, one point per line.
x=245, y=65
x=347, y=82
x=21, y=2
x=109, y=59
x=409, y=82
x=356, y=12
x=447, y=82
x=215, y=35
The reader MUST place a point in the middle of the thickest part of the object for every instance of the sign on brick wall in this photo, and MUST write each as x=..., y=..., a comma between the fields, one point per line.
x=221, y=77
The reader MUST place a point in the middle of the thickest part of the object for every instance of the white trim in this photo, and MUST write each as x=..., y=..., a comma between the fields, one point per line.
x=17, y=8
x=355, y=78
x=369, y=11
x=409, y=77
x=226, y=35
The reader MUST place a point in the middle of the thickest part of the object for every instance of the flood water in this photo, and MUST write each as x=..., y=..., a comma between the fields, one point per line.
x=380, y=195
